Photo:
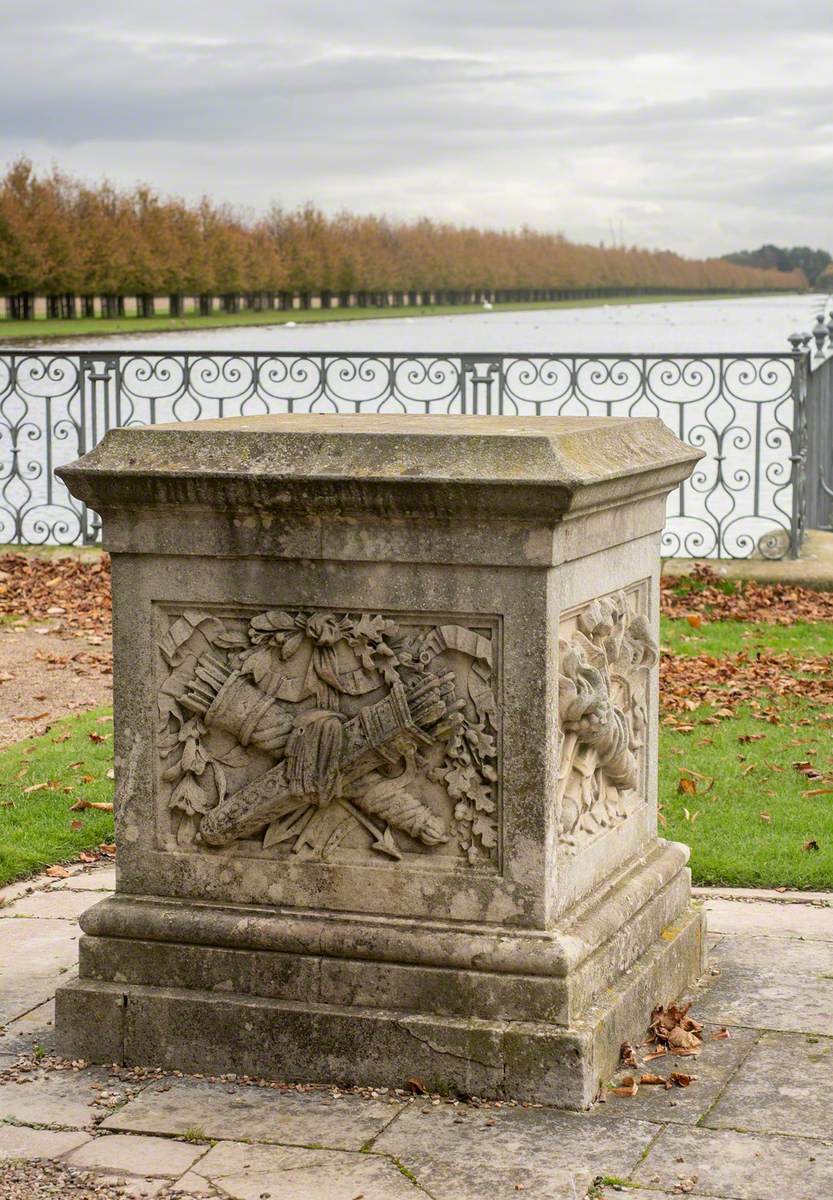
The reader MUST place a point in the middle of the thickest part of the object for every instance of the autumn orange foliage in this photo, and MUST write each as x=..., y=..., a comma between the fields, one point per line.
x=61, y=237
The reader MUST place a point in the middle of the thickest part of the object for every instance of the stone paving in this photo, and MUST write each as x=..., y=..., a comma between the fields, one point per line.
x=754, y=1125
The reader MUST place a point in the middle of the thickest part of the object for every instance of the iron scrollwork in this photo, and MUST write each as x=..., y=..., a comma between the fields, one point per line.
x=746, y=411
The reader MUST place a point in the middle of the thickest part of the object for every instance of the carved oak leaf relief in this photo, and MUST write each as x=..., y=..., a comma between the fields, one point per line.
x=604, y=668
x=329, y=735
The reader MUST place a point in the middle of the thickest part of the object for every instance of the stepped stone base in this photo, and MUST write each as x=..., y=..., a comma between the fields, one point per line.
x=223, y=989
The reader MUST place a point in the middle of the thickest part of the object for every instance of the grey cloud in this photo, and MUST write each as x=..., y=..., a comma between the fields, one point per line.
x=697, y=126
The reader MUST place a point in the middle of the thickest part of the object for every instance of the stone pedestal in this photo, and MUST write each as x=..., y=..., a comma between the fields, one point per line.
x=386, y=721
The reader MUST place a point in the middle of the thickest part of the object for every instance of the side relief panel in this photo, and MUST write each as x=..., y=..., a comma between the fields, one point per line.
x=606, y=654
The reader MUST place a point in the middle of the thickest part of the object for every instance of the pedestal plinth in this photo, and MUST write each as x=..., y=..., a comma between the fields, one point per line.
x=386, y=727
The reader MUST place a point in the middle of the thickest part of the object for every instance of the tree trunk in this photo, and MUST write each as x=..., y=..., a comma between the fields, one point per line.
x=22, y=306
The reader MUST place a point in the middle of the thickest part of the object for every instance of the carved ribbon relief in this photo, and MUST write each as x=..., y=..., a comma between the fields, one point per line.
x=324, y=735
x=604, y=667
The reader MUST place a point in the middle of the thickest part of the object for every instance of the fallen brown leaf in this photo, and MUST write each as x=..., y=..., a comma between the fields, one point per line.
x=627, y=1087
x=681, y=1079
x=58, y=872
x=627, y=1054
x=81, y=804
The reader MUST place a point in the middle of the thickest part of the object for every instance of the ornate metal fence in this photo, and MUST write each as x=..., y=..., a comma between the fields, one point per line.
x=747, y=411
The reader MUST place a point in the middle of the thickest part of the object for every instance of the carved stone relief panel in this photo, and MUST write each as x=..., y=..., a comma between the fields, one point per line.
x=606, y=653
x=331, y=736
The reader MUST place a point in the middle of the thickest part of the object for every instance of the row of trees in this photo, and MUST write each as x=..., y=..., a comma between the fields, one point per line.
x=65, y=239
x=814, y=263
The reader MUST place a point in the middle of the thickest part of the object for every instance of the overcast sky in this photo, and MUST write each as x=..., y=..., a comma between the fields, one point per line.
x=698, y=126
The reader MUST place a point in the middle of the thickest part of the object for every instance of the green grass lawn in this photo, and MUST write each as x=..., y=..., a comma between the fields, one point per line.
x=810, y=639
x=37, y=827
x=43, y=328
x=731, y=842
x=750, y=816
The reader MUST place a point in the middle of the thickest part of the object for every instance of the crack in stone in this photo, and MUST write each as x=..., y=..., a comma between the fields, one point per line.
x=424, y=1041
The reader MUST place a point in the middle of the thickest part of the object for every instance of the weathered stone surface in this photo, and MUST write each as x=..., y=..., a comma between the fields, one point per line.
x=767, y=998
x=284, y=1173
x=60, y=904
x=149, y=1157
x=792, y=956
x=739, y=1165
x=52, y=1098
x=386, y=701
x=540, y=1149
x=770, y=919
x=784, y=1087
x=17, y=1141
x=98, y=879
x=257, y=1114
x=714, y=1067
x=31, y=980
x=34, y=1028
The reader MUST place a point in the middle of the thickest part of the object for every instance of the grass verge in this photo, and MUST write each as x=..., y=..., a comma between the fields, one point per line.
x=752, y=819
x=738, y=784
x=45, y=329
x=37, y=827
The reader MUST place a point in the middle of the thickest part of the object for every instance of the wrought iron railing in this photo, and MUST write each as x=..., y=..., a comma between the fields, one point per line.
x=746, y=411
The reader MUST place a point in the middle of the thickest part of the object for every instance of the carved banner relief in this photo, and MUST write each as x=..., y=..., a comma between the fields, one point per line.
x=606, y=653
x=331, y=736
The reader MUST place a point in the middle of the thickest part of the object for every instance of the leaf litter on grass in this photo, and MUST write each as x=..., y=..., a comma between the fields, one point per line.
x=73, y=592
x=704, y=594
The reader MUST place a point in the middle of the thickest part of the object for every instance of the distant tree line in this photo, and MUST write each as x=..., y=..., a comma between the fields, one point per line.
x=73, y=242
x=814, y=263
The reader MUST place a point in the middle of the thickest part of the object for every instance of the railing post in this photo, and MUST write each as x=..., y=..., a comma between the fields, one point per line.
x=799, y=447
x=99, y=410
x=480, y=385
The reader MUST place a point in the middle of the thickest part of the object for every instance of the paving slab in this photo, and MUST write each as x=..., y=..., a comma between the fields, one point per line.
x=742, y=1166
x=55, y=1097
x=34, y=1029
x=783, y=1087
x=466, y=1153
x=147, y=1157
x=773, y=920
x=64, y=904
x=787, y=955
x=283, y=1173
x=16, y=1142
x=220, y=1110
x=761, y=998
x=99, y=879
x=35, y=957
x=714, y=1066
